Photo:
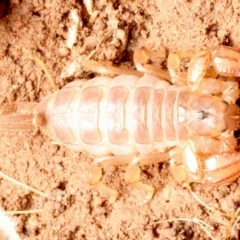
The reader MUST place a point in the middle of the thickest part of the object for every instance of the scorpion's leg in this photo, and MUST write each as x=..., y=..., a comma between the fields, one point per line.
x=132, y=174
x=173, y=75
x=229, y=90
x=95, y=173
x=206, y=160
x=104, y=67
x=94, y=177
x=173, y=64
x=225, y=62
x=141, y=58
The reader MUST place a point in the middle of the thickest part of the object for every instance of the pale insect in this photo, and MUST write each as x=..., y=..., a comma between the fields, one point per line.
x=187, y=118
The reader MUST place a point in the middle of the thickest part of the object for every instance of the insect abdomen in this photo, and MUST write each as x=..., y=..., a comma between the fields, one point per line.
x=123, y=116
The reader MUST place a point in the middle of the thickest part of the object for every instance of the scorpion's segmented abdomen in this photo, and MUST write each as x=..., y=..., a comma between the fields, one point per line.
x=124, y=115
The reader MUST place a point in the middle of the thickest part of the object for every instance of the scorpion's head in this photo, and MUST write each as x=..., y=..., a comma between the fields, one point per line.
x=211, y=116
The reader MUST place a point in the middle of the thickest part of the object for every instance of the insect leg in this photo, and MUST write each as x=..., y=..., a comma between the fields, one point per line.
x=132, y=174
x=141, y=58
x=104, y=67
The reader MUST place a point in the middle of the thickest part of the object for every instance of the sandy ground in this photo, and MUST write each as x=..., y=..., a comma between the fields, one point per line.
x=75, y=210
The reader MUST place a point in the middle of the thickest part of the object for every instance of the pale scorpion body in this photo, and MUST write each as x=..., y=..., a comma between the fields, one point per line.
x=137, y=120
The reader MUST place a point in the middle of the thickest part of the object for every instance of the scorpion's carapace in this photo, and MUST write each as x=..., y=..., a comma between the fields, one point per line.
x=187, y=118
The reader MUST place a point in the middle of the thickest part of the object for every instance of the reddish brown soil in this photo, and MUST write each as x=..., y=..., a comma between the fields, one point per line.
x=74, y=210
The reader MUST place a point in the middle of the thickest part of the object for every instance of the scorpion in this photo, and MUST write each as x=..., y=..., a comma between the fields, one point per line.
x=147, y=116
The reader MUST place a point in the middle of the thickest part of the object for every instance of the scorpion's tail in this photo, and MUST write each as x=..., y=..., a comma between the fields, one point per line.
x=17, y=117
